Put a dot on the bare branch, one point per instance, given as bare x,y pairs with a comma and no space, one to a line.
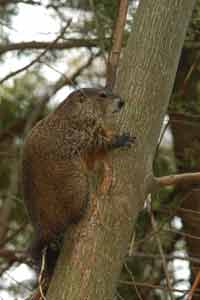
168,257
184,178
64,80
13,256
162,254
156,183
156,287
37,59
133,279
116,43
18,125
100,33
68,44
30,2
184,234
7,273
13,235
194,286
5,2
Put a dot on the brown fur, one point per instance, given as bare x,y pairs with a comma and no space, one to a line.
57,154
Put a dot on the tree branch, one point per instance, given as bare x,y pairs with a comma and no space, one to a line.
17,127
156,183
64,80
100,32
156,287
168,257
37,59
68,44
13,256
118,30
185,178
7,2
161,250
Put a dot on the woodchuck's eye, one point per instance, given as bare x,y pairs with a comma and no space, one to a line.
81,98
103,94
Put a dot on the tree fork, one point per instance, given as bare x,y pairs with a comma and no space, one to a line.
91,259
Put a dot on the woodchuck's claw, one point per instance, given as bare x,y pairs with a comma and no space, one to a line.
124,140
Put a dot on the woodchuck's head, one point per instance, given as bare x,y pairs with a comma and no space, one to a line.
91,102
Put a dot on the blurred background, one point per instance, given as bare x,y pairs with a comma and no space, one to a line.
49,48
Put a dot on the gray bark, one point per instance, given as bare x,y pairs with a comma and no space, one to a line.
94,250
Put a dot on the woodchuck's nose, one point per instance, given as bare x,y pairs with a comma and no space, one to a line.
120,102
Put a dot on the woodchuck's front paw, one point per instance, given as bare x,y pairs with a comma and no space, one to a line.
124,140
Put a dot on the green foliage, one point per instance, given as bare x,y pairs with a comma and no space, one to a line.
194,28
17,99
6,14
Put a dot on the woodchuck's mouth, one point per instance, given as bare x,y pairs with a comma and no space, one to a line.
119,103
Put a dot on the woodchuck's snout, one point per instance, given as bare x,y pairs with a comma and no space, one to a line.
119,102
114,104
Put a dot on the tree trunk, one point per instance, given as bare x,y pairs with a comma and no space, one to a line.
94,249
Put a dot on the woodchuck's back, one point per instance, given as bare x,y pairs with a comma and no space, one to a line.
54,186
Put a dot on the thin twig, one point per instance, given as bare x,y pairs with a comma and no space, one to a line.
18,126
133,279
13,235
189,74
113,60
179,209
160,247
41,275
188,235
161,139
71,80
6,2
19,283
195,284
64,80
168,257
156,287
37,59
119,296
99,29
37,45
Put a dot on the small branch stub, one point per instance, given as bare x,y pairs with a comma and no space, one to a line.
118,30
185,178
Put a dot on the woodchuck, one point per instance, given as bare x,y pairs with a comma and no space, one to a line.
56,155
